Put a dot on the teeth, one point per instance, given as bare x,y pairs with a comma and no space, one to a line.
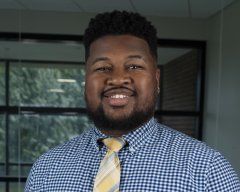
119,96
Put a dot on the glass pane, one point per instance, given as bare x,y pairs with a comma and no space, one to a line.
2,187
2,83
179,79
32,135
2,138
2,170
45,84
16,187
43,51
187,125
19,170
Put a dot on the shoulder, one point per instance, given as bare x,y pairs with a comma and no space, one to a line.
197,158
177,141
68,151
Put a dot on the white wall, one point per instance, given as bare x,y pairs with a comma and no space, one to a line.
222,98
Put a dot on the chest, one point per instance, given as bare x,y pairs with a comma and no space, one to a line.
157,172
145,171
74,173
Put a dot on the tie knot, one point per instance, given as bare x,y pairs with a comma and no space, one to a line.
114,144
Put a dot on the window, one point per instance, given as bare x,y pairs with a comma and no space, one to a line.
41,103
45,108
2,83
181,95
42,96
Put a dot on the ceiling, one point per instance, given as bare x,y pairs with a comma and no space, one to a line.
163,8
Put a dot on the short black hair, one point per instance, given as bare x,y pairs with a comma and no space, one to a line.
120,23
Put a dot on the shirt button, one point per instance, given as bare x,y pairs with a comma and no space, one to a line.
131,149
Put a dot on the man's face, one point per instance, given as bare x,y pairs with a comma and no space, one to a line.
121,83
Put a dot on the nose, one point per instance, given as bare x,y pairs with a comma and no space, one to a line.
119,78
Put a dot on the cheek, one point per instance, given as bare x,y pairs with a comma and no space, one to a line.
147,85
92,89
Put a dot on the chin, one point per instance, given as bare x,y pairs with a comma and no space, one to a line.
119,121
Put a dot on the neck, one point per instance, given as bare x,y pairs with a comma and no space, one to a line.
115,133
122,130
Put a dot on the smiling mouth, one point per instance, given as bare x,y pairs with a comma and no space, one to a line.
117,100
118,97
119,93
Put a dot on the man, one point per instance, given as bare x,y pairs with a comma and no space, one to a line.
122,84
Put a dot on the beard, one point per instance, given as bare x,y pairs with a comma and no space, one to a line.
138,117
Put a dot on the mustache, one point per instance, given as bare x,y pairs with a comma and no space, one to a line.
120,88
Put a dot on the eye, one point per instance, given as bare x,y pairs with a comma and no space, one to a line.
103,69
134,67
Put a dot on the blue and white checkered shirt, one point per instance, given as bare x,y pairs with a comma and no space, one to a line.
156,158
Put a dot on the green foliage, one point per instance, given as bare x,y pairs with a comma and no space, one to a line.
34,86
37,134
2,139
2,84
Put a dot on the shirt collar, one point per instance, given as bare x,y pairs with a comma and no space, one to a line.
134,138
141,135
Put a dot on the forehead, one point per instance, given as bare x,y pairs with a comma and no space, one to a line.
116,43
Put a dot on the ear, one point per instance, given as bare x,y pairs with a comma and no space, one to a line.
157,76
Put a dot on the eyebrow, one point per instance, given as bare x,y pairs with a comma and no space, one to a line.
139,57
135,57
108,59
100,59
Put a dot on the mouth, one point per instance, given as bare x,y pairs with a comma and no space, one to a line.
118,97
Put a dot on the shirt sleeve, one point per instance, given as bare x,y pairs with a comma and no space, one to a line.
30,179
37,175
221,176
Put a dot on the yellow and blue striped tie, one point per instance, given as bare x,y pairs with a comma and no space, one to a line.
108,177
